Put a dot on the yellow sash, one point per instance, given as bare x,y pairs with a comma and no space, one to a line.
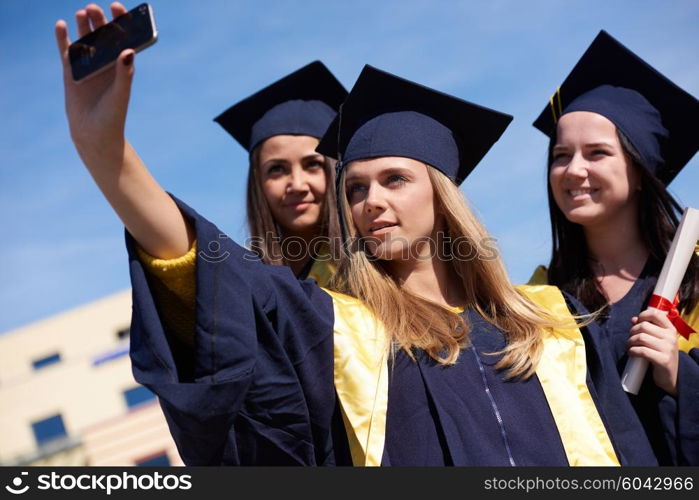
562,372
361,377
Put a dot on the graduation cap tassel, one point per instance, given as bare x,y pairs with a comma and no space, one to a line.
556,97
553,110
560,103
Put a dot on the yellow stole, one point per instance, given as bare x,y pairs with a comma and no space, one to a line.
361,377
562,371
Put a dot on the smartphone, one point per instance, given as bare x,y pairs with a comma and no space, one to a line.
97,51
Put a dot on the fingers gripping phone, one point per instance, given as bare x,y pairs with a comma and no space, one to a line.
97,51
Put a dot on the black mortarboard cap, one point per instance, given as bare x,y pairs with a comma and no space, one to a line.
656,115
303,102
385,115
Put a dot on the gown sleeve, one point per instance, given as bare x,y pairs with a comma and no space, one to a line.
671,422
256,385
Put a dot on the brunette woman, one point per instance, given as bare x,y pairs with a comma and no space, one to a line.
620,132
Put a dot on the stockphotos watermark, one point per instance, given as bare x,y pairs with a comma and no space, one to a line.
296,249
99,482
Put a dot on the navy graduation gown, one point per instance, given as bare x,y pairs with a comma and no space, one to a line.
254,390
671,424
625,429
258,388
467,414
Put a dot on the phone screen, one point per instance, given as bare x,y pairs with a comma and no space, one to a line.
96,50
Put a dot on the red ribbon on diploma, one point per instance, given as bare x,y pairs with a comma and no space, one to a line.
662,304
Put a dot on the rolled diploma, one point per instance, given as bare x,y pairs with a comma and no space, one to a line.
676,262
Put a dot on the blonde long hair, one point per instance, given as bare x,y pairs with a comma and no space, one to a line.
413,322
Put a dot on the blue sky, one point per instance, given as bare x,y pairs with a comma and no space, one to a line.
63,245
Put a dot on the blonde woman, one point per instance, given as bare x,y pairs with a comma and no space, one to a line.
424,355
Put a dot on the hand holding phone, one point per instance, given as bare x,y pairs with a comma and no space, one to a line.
99,49
96,109
96,106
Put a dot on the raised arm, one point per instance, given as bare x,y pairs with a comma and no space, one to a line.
96,110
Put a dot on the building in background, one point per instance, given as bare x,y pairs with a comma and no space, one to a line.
68,397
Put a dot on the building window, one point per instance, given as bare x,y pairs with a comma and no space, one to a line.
159,460
49,429
137,396
40,363
110,356
124,333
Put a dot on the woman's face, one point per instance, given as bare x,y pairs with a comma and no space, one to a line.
293,181
592,179
392,203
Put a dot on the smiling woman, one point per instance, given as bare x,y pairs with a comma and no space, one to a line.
619,133
593,179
